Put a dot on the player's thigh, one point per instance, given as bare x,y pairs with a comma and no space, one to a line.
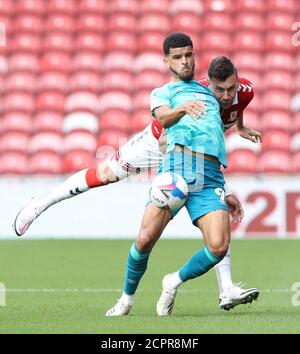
153,224
215,228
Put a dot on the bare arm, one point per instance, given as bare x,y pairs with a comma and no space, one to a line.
168,116
247,133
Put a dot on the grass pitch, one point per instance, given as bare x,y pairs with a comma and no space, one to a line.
66,286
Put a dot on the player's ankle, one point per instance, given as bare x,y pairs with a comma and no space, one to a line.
127,299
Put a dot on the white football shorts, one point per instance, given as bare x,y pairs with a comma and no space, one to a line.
140,153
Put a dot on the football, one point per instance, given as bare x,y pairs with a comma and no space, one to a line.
169,190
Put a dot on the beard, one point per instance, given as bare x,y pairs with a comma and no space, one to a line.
184,76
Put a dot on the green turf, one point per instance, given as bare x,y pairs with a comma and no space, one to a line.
272,266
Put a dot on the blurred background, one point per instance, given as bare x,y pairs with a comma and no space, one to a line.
76,75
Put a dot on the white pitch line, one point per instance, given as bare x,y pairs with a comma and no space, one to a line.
105,290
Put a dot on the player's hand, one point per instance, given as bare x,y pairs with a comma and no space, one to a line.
196,109
235,208
250,134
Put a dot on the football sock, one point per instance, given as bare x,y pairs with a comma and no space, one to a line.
78,183
174,280
198,264
135,268
127,299
223,272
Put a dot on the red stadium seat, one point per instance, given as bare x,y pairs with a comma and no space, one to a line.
55,61
235,142
123,6
28,23
60,23
186,23
250,21
13,163
256,79
118,61
3,65
140,120
248,41
295,163
148,80
24,62
276,120
295,142
241,162
276,100
48,121
278,21
89,61
280,80
77,160
216,41
81,121
90,41
62,6
58,42
19,101
179,6
154,22
45,163
141,100
36,7
117,81
52,81
16,122
50,101
84,81
91,23
295,103
296,122
113,138
82,101
276,140
122,22
278,40
289,6
217,21
20,82
115,100
98,7
7,7
251,119
150,41
7,27
80,141
26,42
122,41
250,6
115,120
14,141
159,6
45,141
279,60
274,162
149,61
248,61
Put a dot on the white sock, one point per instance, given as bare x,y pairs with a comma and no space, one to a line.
127,299
73,186
174,280
223,271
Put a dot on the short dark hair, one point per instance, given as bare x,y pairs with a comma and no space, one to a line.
176,40
221,68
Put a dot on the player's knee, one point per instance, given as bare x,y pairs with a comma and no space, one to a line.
219,249
145,241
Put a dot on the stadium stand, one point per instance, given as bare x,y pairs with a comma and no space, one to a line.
79,74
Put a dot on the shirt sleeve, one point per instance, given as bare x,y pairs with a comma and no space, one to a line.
159,97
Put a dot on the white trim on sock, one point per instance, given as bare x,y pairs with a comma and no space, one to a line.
174,280
127,299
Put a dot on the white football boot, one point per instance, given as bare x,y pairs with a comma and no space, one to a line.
25,217
165,304
120,309
235,295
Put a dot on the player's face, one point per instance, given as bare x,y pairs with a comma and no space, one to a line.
181,62
225,91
